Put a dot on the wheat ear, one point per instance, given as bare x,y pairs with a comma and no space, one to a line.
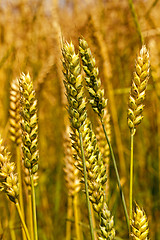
29,125
136,106
95,173
139,227
98,101
93,81
15,131
76,106
9,182
138,90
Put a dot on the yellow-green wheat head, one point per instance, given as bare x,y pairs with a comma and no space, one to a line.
74,87
8,179
106,224
138,90
15,128
139,227
93,81
29,123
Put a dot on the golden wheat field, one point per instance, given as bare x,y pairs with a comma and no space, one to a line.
79,119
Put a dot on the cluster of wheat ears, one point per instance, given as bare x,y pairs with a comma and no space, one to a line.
87,153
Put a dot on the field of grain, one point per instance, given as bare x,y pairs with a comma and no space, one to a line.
79,104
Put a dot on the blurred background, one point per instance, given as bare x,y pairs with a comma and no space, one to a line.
30,41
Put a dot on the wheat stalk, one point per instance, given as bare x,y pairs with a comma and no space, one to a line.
136,106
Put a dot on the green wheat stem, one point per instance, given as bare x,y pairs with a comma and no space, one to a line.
131,181
22,220
86,187
34,207
131,5
117,174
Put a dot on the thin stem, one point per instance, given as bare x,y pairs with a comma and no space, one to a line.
22,220
30,216
131,181
11,222
34,207
136,20
19,170
69,216
86,187
117,174
77,217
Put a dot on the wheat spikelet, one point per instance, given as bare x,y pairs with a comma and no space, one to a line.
15,128
71,171
29,123
139,229
8,179
138,89
93,81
